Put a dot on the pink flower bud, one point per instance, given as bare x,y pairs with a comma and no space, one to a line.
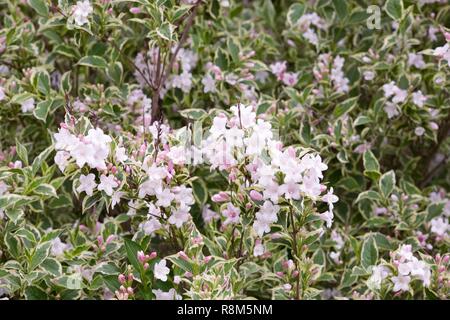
220,197
437,258
280,273
446,259
135,10
447,36
121,278
207,259
146,265
130,291
295,273
183,255
130,277
141,256
110,239
153,255
188,274
255,195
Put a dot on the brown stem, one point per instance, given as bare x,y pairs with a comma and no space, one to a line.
294,245
156,103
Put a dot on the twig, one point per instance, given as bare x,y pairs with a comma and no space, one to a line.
156,103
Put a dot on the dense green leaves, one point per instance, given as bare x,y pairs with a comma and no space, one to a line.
394,8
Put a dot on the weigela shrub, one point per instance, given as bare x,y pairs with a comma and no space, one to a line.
224,149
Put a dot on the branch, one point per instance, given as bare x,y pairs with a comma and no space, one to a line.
156,105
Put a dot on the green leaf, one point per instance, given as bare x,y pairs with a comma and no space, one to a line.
233,49
35,293
46,190
41,110
193,114
341,8
165,31
108,269
345,106
387,183
295,12
200,191
394,8
93,61
361,120
181,263
369,252
52,266
22,152
66,85
21,97
11,200
43,82
40,6
132,248
434,210
37,162
40,254
73,282
14,214
371,165
115,72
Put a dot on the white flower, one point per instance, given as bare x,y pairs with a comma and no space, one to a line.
419,131
209,83
165,197
327,217
391,109
81,11
170,295
231,213
418,98
64,140
278,68
439,226
115,199
27,105
401,283
208,214
150,226
179,216
87,184
369,75
107,184
404,268
3,188
161,271
405,252
379,273
83,153
399,95
335,256
58,247
183,195
416,60
259,249
62,159
2,93
389,89
121,155
443,52
330,198
265,217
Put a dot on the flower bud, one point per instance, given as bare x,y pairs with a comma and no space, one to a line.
255,195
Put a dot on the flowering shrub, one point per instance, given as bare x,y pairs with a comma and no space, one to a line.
224,149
